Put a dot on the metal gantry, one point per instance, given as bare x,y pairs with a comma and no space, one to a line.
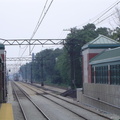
32,41
14,65
19,59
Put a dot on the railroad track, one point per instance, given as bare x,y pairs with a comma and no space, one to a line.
62,102
28,107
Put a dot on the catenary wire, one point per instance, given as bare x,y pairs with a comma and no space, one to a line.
39,19
35,27
107,11
106,17
39,23
101,14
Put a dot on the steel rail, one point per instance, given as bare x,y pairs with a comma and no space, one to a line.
40,110
79,106
20,104
64,106
68,101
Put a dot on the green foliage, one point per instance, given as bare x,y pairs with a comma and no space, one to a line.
43,67
64,66
75,40
116,34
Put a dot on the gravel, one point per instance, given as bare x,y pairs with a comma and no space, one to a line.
55,112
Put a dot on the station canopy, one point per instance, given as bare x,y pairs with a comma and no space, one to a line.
109,55
101,42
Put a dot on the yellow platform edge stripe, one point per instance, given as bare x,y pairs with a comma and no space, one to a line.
6,112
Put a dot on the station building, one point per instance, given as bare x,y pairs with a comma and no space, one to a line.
101,74
105,67
92,49
3,84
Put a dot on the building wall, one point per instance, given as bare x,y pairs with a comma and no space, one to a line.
3,87
106,73
2,55
1,95
87,55
85,64
102,96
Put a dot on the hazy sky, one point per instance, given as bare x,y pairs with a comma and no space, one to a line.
18,19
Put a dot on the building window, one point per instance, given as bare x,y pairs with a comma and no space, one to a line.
100,75
115,74
92,75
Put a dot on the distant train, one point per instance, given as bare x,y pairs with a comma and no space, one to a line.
16,77
3,81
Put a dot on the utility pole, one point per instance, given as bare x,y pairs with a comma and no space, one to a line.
42,81
26,73
72,62
71,53
41,72
31,73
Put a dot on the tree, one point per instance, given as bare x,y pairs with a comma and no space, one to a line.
75,40
64,66
116,32
43,67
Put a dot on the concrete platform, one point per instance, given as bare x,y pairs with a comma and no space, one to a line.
6,112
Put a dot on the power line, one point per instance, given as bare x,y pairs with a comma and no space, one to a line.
38,25
39,20
24,50
106,17
35,28
101,14
107,11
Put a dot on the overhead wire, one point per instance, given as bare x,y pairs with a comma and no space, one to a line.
41,21
36,28
24,50
103,13
106,17
41,18
107,11
93,20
